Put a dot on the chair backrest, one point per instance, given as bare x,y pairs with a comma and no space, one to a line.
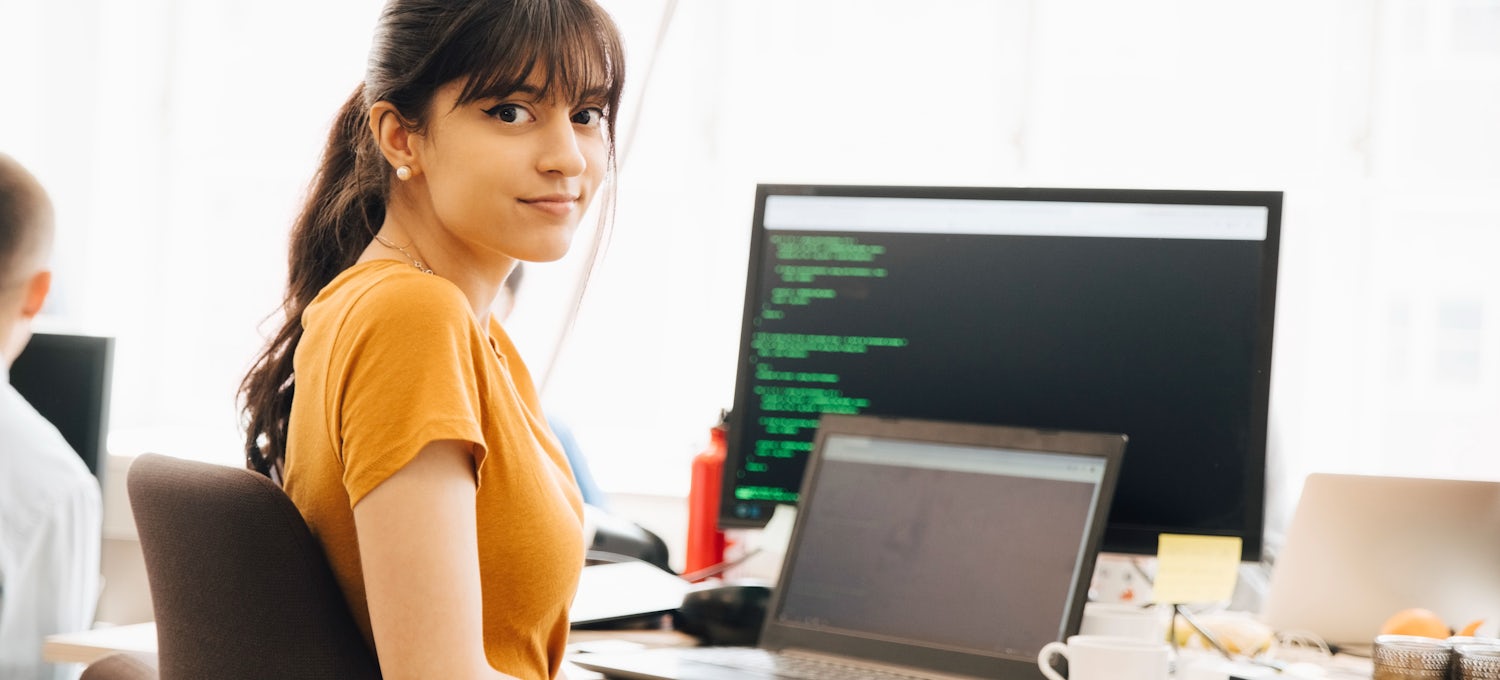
240,587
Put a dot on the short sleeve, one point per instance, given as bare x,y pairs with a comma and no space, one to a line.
403,374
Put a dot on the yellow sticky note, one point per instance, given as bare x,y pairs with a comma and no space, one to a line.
1195,568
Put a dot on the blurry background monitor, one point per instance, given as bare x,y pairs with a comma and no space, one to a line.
66,377
1148,313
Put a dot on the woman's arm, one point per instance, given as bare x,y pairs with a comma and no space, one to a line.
420,557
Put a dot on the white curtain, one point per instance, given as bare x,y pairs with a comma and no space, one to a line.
178,137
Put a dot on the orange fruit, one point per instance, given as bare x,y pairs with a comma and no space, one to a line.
1419,622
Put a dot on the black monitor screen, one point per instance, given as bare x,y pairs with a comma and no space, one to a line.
67,378
1147,313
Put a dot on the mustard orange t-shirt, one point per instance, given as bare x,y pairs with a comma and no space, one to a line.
391,359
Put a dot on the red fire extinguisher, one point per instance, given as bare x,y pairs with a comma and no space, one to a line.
705,543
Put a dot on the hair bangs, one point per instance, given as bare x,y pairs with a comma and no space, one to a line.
574,50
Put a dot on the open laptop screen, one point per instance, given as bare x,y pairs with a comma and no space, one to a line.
927,546
1362,547
967,548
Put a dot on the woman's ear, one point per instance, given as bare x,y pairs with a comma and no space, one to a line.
394,135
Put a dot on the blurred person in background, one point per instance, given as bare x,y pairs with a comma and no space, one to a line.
50,509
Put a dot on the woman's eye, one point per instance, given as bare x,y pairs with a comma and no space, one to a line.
590,117
510,113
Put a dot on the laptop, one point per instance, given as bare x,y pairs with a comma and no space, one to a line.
923,549
1361,548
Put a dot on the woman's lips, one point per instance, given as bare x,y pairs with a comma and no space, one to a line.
560,205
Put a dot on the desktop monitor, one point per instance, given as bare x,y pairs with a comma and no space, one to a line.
67,378
1147,313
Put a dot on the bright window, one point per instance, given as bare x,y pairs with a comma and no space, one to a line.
178,138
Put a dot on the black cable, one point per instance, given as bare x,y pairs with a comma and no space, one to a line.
716,569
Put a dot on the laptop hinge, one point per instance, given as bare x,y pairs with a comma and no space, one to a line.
863,664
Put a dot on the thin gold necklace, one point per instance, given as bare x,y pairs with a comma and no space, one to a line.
414,261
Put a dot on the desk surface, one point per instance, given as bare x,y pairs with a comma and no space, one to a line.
139,640
91,645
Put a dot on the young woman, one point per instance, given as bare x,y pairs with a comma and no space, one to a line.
391,405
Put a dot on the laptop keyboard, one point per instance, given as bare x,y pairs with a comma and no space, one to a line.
791,665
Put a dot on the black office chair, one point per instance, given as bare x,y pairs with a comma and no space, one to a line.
240,587
617,539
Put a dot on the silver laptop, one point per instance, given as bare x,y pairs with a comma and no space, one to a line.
922,549
1361,548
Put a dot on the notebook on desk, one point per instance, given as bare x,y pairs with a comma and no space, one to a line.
622,592
925,548
1361,548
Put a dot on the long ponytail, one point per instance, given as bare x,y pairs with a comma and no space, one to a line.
340,216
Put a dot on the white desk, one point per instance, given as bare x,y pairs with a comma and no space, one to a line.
139,640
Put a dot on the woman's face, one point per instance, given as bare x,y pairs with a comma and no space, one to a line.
512,176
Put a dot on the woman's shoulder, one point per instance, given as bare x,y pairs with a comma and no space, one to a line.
388,292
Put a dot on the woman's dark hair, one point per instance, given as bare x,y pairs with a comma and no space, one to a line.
493,47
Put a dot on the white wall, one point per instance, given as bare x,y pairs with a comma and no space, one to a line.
178,137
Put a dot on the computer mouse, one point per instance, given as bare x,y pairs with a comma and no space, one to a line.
724,613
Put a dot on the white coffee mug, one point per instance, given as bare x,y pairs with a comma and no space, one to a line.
1123,620
1102,657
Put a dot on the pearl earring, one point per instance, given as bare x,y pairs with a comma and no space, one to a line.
403,173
